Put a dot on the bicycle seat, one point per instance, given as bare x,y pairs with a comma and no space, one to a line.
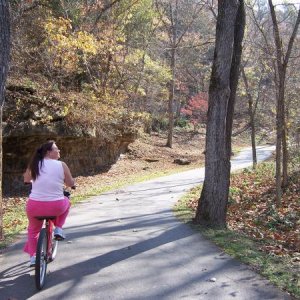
45,217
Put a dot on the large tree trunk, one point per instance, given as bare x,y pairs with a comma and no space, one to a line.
212,204
4,61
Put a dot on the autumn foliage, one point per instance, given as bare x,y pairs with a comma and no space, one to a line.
252,211
196,109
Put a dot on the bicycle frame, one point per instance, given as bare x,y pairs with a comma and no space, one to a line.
46,250
49,231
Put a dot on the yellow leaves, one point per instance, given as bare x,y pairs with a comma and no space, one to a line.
139,118
121,39
65,110
64,46
155,69
85,42
69,50
57,26
243,93
135,57
141,91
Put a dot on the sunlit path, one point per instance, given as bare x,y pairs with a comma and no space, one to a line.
127,244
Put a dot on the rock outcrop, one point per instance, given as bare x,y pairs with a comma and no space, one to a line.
82,148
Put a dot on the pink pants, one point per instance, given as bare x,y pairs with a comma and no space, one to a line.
59,208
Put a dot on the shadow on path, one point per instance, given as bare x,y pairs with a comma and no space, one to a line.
17,283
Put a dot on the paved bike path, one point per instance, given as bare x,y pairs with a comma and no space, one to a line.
127,244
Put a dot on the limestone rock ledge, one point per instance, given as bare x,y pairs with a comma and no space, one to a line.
83,149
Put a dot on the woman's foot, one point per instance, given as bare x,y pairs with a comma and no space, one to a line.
32,262
58,234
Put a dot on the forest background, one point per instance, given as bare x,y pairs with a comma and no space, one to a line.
126,64
99,64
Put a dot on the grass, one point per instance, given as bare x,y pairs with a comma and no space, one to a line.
14,221
278,270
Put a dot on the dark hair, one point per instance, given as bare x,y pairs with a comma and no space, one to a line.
38,158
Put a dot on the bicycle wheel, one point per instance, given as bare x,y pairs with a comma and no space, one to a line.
54,249
41,260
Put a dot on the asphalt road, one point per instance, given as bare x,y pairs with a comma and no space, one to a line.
127,244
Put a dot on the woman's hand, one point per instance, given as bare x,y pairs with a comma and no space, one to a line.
27,176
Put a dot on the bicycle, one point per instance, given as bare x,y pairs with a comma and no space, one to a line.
46,250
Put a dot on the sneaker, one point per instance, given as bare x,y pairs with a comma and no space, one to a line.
58,234
32,262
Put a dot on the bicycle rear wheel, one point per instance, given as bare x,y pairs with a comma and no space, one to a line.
41,260
54,249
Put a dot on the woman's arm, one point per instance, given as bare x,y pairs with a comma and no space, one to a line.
27,176
69,181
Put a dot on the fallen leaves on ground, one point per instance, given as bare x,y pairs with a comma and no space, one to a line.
252,211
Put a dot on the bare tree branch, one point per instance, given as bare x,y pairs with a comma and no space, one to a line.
103,10
292,39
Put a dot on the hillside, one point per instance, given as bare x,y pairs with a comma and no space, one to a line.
148,155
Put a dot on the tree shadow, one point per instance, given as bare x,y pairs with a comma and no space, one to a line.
17,282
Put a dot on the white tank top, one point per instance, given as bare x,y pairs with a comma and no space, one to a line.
49,184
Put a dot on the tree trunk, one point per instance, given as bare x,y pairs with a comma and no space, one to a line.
251,115
281,64
285,156
235,71
279,127
4,62
4,46
171,100
1,176
173,68
212,204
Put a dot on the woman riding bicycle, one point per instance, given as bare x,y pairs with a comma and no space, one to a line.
48,176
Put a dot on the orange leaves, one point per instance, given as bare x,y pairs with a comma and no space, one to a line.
259,215
274,249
